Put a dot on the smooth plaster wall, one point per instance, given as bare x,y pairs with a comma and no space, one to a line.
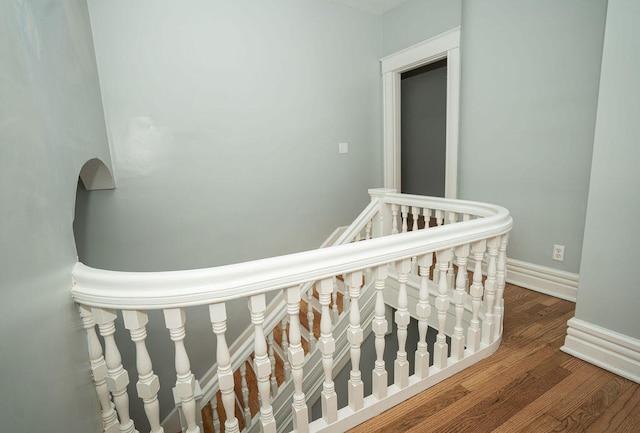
51,122
417,20
530,73
608,294
224,120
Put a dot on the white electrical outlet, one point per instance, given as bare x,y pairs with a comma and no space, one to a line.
558,253
343,147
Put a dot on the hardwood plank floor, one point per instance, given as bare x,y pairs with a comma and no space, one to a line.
528,385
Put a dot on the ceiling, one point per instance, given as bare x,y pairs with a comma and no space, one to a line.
373,6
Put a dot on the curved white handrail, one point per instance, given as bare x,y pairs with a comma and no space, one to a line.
172,289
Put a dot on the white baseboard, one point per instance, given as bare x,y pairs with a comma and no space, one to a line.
561,284
607,349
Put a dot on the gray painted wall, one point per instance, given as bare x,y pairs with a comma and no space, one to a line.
424,130
224,120
51,122
530,72
417,20
608,294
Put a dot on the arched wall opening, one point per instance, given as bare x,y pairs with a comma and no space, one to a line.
94,175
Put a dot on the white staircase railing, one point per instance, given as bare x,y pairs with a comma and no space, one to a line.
398,242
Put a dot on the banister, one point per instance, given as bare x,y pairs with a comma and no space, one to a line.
171,289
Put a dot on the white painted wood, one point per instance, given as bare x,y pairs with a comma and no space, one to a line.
501,274
401,365
440,350
561,284
175,319
110,422
218,316
476,291
615,352
244,389
380,328
327,347
355,336
459,298
445,45
148,383
423,311
157,290
285,349
216,419
296,359
272,361
117,377
490,288
311,339
261,365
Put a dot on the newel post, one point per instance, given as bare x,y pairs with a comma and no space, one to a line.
382,219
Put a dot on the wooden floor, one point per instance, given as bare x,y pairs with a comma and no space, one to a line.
528,385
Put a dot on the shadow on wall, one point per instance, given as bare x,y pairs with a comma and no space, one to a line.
94,175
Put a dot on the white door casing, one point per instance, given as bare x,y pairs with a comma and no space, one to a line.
446,45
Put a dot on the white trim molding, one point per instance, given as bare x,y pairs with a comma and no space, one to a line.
561,284
607,349
443,46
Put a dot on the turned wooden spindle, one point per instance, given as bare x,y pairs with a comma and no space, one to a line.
117,376
405,217
476,291
423,311
501,275
296,359
109,417
355,338
285,350
394,219
380,327
272,361
490,286
442,306
148,384
401,365
218,316
175,319
244,389
459,297
261,364
310,317
327,346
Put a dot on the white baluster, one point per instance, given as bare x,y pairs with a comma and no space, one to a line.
117,376
296,359
312,337
488,324
423,311
148,384
476,291
218,315
110,422
355,338
379,327
216,419
394,219
426,213
415,211
405,216
327,347
452,218
335,312
272,361
501,275
244,388
459,297
174,319
401,366
442,305
367,231
439,217
346,302
261,364
285,350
